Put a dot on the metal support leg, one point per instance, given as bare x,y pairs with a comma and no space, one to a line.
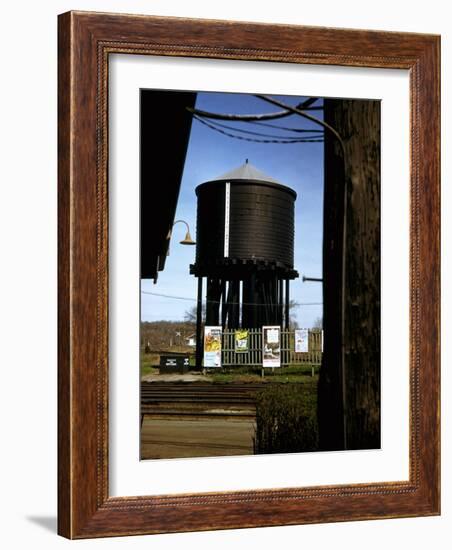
199,346
287,320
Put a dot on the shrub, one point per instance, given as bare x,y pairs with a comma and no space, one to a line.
286,419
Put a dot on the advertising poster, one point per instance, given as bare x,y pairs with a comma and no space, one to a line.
301,340
241,341
271,352
212,346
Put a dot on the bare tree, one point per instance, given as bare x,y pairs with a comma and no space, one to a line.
318,323
293,305
190,314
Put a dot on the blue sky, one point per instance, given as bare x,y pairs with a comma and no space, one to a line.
209,155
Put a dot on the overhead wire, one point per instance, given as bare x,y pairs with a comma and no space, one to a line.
243,130
306,105
286,128
224,132
186,298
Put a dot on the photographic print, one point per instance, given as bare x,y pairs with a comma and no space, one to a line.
260,274
245,225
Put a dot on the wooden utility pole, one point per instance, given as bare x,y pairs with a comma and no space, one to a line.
349,386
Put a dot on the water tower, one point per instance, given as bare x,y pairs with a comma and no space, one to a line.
245,249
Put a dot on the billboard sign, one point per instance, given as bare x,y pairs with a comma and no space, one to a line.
241,341
212,347
301,340
271,350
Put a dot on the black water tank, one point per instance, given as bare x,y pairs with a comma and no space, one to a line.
245,215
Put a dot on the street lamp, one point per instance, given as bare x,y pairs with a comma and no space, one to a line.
187,240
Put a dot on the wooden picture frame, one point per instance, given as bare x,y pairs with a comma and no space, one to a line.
85,508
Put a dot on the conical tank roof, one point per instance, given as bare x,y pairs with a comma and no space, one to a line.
246,172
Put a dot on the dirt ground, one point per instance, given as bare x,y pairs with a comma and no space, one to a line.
182,438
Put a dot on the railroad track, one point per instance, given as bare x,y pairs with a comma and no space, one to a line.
204,399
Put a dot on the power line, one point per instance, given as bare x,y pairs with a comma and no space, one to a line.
224,132
169,296
297,110
186,298
287,128
305,105
216,123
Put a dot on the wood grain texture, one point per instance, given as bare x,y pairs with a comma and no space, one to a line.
85,41
64,295
350,373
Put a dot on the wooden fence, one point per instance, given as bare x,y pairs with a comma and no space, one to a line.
253,356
